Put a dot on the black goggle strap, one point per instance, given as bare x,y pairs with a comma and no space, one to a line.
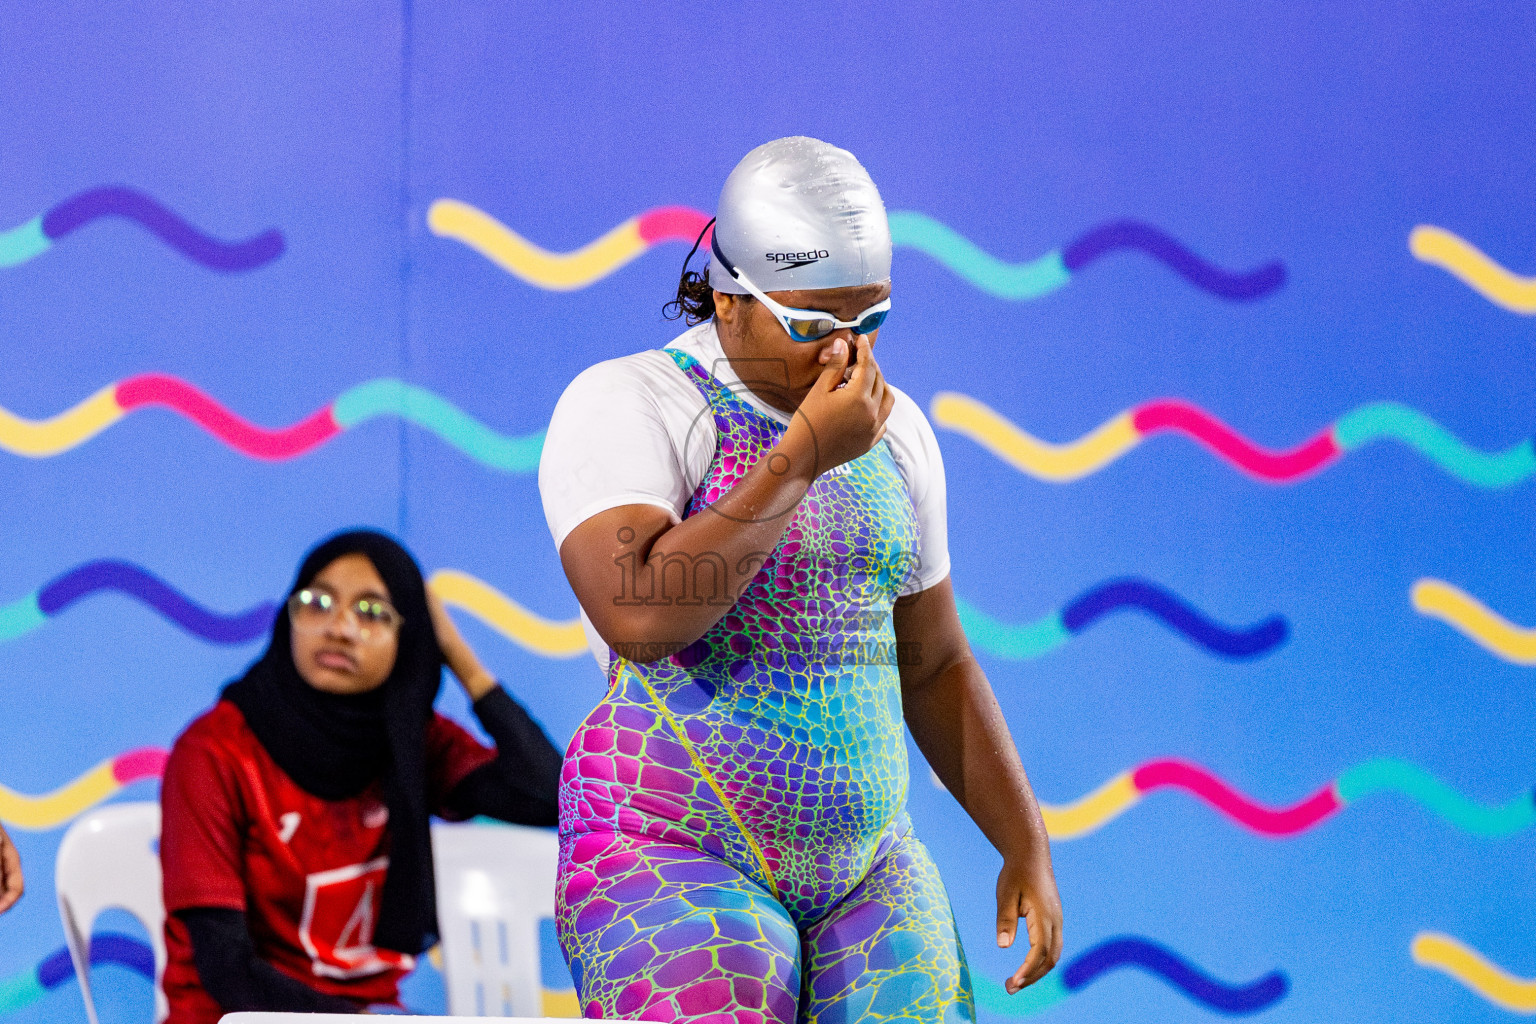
698,242
714,247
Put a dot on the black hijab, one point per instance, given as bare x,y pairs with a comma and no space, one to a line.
335,745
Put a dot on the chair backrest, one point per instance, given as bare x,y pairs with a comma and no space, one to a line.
494,884
110,858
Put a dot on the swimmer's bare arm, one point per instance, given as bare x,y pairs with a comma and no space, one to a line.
652,588
954,717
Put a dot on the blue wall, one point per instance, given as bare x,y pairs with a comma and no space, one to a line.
1313,137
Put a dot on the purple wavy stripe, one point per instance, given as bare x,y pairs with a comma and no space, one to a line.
1149,956
117,201
106,948
1177,614
1132,234
127,578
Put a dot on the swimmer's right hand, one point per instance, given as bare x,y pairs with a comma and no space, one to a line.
838,422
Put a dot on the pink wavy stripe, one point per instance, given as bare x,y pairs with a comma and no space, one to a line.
143,763
242,435
682,223
1270,821
1303,460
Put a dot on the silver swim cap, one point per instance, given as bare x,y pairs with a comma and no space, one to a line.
800,213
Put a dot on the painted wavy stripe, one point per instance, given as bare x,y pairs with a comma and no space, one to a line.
566,271
1384,775
24,988
1390,775
1089,813
1045,634
1073,460
388,397
37,236
1490,981
1145,955
51,810
549,637
1252,815
28,613
1171,414
372,399
974,265
1163,247
1397,422
992,998
1474,620
1470,265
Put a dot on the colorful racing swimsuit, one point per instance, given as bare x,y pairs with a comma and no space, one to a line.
734,843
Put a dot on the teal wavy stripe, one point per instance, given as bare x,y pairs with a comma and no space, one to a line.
1391,775
446,420
20,990
1434,442
965,258
20,617
1042,995
23,243
1015,642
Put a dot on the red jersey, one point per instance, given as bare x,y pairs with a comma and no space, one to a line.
238,834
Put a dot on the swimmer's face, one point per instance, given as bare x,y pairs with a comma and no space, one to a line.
340,655
788,368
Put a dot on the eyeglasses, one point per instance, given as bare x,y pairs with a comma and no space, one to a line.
312,610
805,324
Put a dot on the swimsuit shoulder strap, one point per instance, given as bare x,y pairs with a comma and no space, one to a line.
714,392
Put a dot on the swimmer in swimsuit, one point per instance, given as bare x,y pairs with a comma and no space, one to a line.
753,522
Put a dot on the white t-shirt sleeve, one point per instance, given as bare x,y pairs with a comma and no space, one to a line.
608,443
916,451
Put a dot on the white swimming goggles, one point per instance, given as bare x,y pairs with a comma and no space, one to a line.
806,324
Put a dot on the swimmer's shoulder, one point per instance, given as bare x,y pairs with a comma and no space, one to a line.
909,423
650,373
651,378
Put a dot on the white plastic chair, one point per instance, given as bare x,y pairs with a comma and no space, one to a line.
494,883
108,859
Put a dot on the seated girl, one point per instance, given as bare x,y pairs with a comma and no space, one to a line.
295,845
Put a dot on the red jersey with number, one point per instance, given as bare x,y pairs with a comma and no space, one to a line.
237,833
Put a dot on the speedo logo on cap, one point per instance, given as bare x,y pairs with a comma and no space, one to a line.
791,260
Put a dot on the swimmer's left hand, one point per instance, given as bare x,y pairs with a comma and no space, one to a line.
1027,888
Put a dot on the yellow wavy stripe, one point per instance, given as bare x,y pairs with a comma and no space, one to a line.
560,1004
1462,259
1475,620
52,809
41,438
558,271
538,634
1088,813
1467,965
1055,462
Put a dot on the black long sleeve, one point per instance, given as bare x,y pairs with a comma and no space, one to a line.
519,786
237,978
